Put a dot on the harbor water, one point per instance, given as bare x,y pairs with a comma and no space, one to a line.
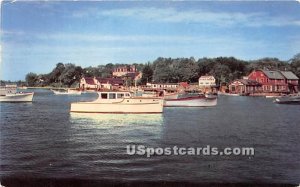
43,140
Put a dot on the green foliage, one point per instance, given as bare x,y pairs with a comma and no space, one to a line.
31,79
71,74
224,69
295,65
147,74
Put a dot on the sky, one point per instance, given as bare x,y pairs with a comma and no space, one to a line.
36,35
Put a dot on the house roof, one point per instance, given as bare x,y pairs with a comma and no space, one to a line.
89,80
184,84
113,81
165,83
273,74
207,77
289,75
131,74
249,82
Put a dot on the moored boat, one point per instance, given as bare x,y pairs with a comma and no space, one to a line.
295,99
119,102
273,96
66,92
9,93
171,95
195,100
228,94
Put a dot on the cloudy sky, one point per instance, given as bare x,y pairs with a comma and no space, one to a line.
37,35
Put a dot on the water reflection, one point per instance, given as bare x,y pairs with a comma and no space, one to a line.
118,128
117,119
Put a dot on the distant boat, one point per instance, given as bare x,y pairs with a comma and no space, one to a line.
9,93
273,96
228,94
66,92
171,95
295,99
120,103
23,87
191,100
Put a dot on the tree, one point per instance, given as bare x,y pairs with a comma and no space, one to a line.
71,74
56,72
187,70
295,65
162,70
31,79
220,72
147,74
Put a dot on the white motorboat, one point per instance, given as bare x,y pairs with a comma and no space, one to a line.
171,95
195,100
273,96
228,94
66,92
9,93
291,99
119,102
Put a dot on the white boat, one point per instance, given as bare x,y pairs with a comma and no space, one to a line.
210,95
273,96
191,101
149,94
291,99
228,94
119,102
9,93
66,92
171,95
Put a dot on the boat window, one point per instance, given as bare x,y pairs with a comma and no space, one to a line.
112,96
127,95
120,95
103,95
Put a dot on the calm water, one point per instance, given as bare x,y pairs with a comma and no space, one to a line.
42,139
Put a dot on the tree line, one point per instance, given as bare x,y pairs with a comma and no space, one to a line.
163,70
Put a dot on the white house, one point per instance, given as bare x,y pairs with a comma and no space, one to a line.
95,83
207,81
88,83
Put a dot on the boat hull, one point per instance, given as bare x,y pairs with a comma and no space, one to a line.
125,106
191,102
288,100
171,96
69,92
18,97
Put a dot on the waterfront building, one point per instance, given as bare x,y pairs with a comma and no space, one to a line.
275,81
87,83
124,70
97,83
207,81
244,86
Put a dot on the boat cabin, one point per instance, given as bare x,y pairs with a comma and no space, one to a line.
113,95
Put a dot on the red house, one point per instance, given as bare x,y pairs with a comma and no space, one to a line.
275,81
244,86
